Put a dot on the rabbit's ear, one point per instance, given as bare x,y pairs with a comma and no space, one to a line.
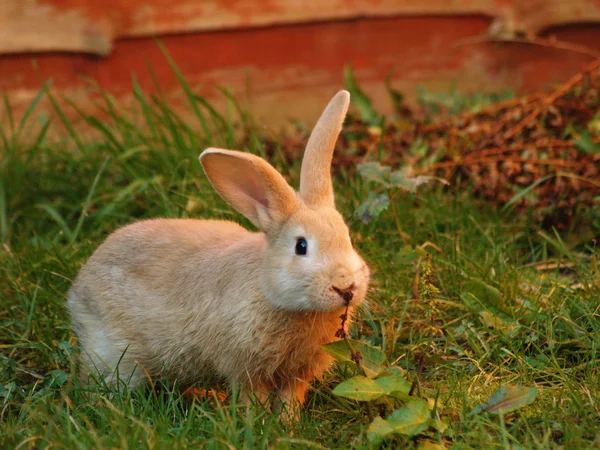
316,188
251,185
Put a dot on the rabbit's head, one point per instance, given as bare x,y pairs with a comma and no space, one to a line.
309,263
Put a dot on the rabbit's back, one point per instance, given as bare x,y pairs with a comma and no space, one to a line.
159,293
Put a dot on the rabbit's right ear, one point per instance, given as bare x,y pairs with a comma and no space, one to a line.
251,185
316,188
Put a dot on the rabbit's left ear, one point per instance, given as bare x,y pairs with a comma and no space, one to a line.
316,188
251,185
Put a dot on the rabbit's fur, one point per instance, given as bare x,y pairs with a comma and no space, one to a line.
187,299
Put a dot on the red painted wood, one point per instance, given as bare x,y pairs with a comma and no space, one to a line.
292,70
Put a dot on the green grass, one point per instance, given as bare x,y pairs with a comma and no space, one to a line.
59,198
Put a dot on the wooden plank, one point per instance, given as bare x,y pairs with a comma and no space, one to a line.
290,71
93,26
30,26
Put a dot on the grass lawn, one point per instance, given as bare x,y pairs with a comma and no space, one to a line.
517,305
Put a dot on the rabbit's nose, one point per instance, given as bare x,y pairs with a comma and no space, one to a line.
347,293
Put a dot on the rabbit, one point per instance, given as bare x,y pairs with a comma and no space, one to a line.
186,299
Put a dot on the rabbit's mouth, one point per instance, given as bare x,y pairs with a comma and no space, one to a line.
346,294
335,298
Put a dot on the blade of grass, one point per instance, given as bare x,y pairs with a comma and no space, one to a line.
151,125
167,113
525,191
60,221
38,141
230,141
98,125
188,93
8,109
3,212
5,144
88,201
31,308
218,120
64,119
135,187
32,105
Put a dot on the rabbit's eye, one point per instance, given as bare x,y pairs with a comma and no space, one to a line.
301,246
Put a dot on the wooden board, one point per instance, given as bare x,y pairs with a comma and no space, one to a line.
285,58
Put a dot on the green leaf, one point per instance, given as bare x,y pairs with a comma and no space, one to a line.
411,419
430,445
372,357
438,425
372,207
495,322
406,255
359,388
391,371
506,399
480,296
410,184
586,144
395,386
361,102
373,171
56,378
378,430
65,347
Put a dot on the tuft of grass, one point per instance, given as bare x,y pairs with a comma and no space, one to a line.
60,198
